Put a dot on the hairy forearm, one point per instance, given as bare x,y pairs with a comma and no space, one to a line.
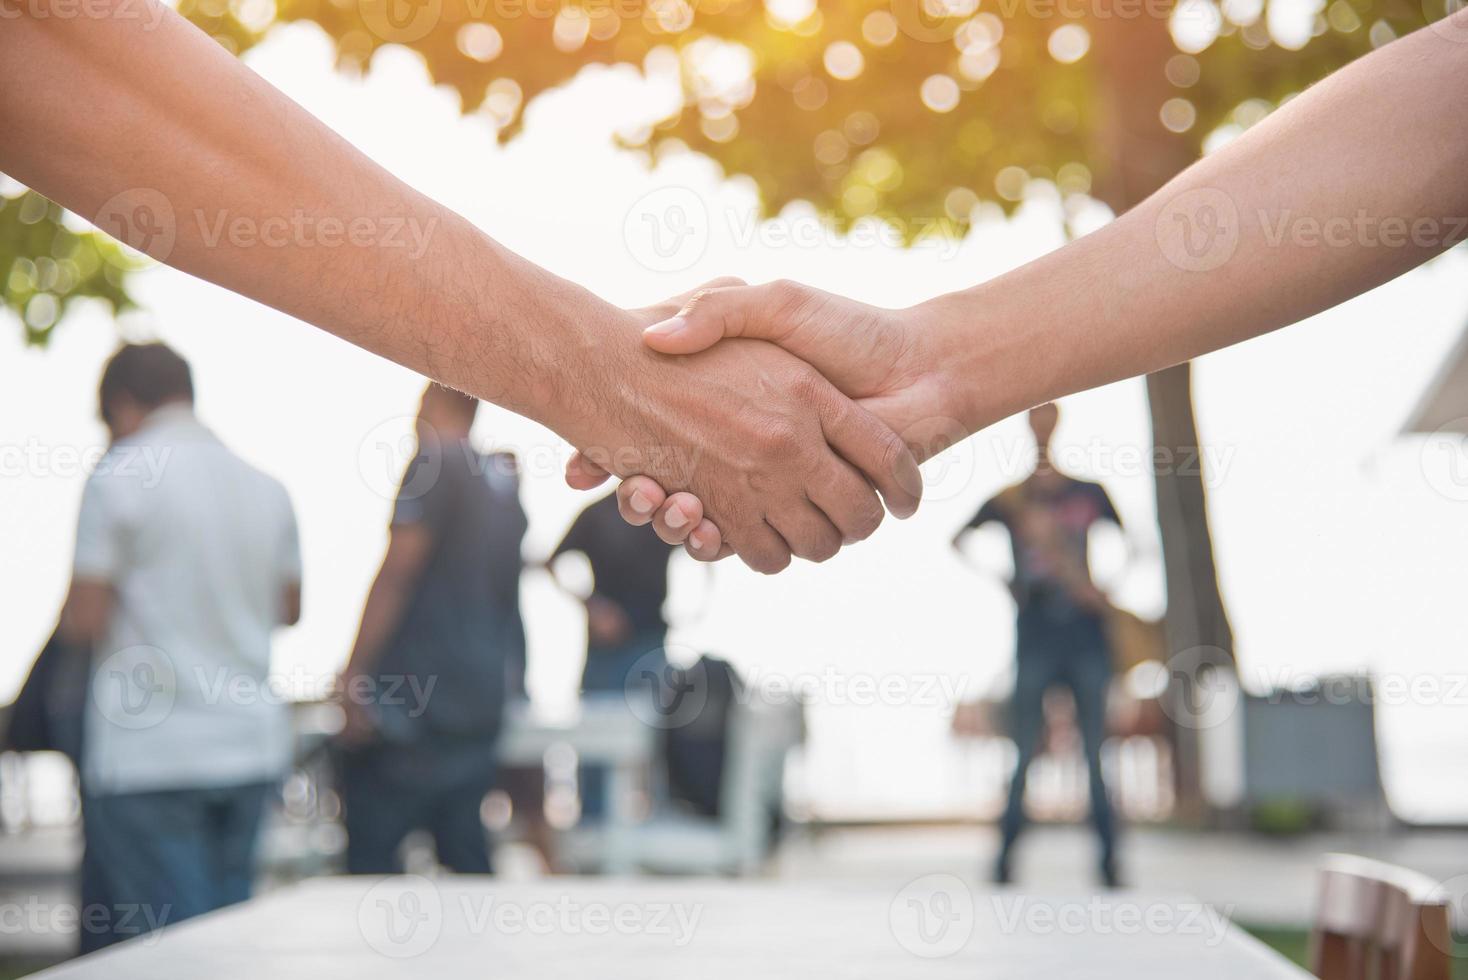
1348,186
146,125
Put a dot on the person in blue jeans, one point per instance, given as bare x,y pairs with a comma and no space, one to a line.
440,639
187,559
625,625
1060,634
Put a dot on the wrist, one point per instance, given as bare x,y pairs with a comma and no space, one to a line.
985,364
566,376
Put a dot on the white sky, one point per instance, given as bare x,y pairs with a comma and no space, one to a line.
1336,550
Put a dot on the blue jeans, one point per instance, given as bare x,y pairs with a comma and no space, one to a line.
435,784
1069,653
160,857
605,672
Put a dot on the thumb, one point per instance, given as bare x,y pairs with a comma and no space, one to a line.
710,315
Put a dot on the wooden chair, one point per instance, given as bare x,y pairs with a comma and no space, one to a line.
1376,921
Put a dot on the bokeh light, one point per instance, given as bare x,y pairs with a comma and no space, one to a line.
1178,115
861,127
1183,70
1069,43
940,93
571,29
1010,183
480,41
843,60
879,28
788,13
1195,25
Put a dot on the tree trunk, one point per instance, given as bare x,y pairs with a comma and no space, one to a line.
1132,54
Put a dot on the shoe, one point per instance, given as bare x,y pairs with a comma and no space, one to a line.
1002,873
1110,880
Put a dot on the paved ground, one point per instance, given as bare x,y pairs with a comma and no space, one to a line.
1268,881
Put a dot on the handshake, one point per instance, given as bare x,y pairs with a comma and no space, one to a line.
762,421
780,413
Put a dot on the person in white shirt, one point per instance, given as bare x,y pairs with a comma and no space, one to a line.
187,558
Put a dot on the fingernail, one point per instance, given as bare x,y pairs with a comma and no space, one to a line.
639,503
695,540
676,518
667,328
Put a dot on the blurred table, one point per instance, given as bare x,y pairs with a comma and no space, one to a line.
674,929
604,730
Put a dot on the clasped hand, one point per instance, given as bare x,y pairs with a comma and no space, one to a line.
898,408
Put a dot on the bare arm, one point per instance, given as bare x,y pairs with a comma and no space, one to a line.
145,125
290,604
1352,183
87,611
408,549
1348,186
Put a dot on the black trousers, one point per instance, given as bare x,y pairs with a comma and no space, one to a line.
434,784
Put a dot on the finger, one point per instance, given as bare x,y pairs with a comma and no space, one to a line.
845,497
677,517
808,532
583,474
637,498
671,305
705,543
878,452
710,315
761,548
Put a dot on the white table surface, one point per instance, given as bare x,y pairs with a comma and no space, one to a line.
687,929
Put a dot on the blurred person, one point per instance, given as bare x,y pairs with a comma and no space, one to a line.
187,558
1060,626
626,628
441,639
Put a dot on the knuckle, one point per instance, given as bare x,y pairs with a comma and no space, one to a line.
867,518
702,301
774,564
892,452
781,439
787,292
823,547
810,387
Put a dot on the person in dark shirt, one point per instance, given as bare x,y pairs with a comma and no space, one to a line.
425,687
1060,625
625,624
